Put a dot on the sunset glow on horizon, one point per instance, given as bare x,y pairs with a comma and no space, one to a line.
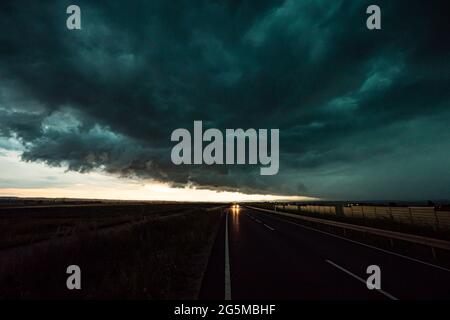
37,180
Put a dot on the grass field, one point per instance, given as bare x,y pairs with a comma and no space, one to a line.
132,251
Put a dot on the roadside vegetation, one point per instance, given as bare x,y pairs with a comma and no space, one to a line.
159,256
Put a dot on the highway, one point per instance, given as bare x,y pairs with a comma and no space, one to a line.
259,255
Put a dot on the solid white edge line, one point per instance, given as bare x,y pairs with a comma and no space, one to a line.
363,244
227,263
390,296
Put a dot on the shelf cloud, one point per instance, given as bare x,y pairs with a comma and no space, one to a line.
362,114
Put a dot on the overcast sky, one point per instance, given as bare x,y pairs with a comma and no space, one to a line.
362,114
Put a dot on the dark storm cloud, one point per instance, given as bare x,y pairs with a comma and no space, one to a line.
351,104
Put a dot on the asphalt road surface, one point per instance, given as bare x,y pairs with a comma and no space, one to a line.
263,256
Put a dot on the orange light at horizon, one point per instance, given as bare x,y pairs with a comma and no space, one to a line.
38,180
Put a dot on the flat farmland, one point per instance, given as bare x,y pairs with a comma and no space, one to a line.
124,250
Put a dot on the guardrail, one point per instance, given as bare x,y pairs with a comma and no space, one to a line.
425,241
418,216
